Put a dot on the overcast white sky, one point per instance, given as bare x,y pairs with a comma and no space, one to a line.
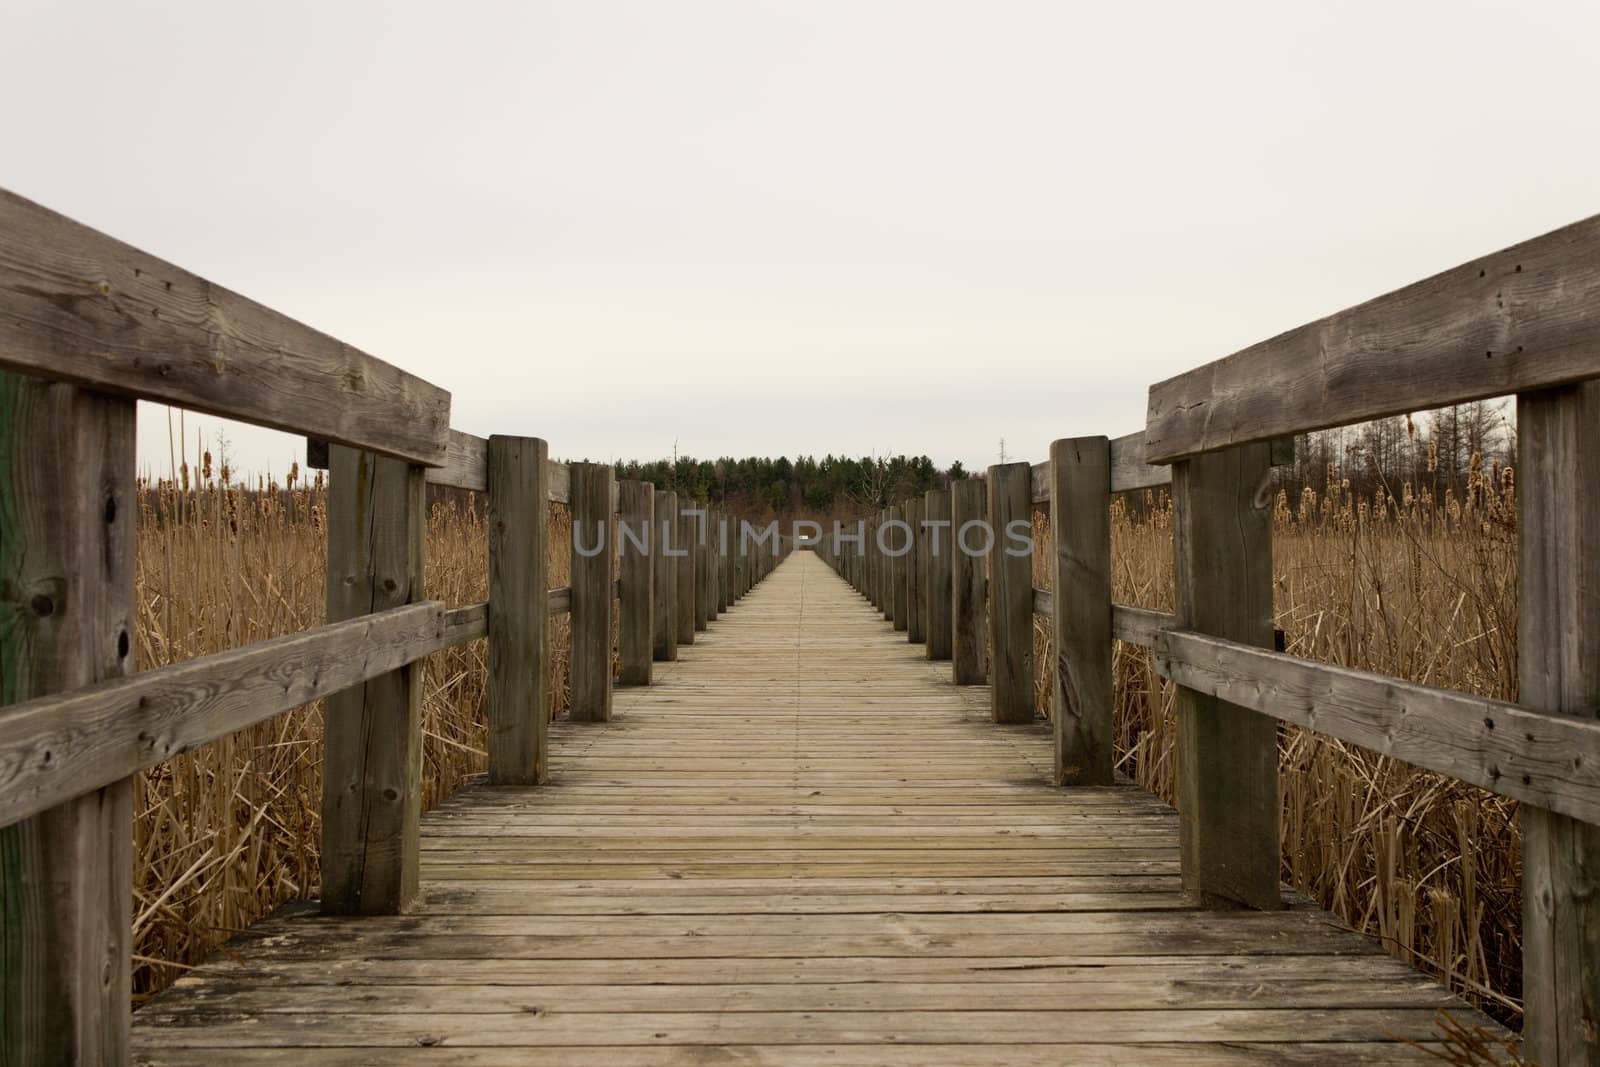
764,228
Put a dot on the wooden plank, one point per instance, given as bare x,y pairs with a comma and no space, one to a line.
593,589
1558,671
898,539
467,623
559,600
372,732
1039,483
55,748
519,609
466,463
968,617
1129,470
560,481
635,626
1516,320
934,557
701,547
725,595
67,586
1496,746
1228,790
916,599
1080,527
664,579
81,307
1139,626
1010,558
684,548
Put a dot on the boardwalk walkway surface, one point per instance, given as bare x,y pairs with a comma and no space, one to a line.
802,846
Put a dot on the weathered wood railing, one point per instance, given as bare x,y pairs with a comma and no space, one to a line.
89,324
1523,321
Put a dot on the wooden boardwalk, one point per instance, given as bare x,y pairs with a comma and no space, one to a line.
803,845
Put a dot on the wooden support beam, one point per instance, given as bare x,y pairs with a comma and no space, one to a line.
664,578
1228,784
916,601
898,539
725,595
1010,555
934,556
1080,527
593,587
635,645
519,614
968,549
684,550
1558,668
702,569
68,499
712,565
372,733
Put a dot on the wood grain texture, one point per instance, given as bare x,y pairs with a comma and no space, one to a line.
934,555
1129,471
702,570
1139,626
1010,593
58,747
67,506
593,588
845,863
1228,755
519,609
372,732
1521,319
79,306
466,463
1080,529
968,626
1558,665
636,610
684,549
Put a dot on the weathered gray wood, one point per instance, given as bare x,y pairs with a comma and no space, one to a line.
684,541
67,507
1139,626
1227,755
900,546
635,642
519,612
1080,527
1044,602
1129,470
560,600
1011,593
1506,749
916,599
593,587
1039,483
1520,319
82,307
466,463
702,569
725,595
664,578
466,623
935,555
560,481
1558,670
711,565
372,732
968,542
56,748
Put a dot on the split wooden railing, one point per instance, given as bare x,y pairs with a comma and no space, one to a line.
87,326
1523,321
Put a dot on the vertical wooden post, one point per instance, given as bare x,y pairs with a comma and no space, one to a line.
916,601
1227,755
67,586
635,647
519,617
899,554
725,594
934,554
684,549
1080,529
969,542
1558,669
713,568
372,733
664,578
1011,684
702,570
594,585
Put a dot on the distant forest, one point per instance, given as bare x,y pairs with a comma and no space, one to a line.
761,487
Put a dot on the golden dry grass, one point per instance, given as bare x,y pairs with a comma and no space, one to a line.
1415,588
227,833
